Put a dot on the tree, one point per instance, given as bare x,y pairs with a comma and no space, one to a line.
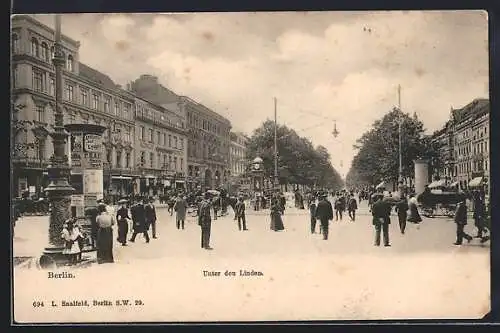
377,155
298,161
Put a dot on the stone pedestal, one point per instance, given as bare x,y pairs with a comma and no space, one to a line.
421,175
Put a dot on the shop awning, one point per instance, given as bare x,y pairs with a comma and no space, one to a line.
381,185
476,182
121,177
437,183
150,177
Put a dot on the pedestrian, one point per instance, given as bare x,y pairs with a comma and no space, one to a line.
324,213
461,222
339,206
205,221
240,212
91,215
478,213
72,236
312,212
276,212
352,206
381,219
171,203
216,206
150,212
139,220
414,216
282,202
105,221
180,208
402,211
122,219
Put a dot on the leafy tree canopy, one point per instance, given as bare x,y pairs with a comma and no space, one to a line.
299,162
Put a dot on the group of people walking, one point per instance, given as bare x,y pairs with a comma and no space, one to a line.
142,215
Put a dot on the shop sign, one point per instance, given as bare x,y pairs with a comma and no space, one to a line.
93,143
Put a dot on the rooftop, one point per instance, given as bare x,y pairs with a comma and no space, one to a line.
95,76
476,107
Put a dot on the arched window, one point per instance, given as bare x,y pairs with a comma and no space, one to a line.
70,63
44,51
34,47
15,43
52,52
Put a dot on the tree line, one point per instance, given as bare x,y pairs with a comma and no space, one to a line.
299,162
377,157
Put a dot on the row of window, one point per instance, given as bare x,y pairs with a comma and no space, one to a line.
471,166
204,124
118,163
161,138
141,110
237,152
478,148
162,161
41,51
119,109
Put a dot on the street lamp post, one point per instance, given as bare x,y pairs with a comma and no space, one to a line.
59,190
276,178
400,143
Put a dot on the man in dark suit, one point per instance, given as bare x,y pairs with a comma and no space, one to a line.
139,218
205,221
461,221
324,213
381,211
150,212
240,213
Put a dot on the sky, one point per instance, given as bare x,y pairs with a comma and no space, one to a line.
323,67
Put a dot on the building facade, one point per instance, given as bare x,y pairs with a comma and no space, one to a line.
161,148
237,155
207,133
89,97
465,146
471,142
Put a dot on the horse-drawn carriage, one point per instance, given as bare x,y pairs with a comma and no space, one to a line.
439,200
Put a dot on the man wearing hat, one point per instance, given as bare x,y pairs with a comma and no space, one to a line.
122,218
240,213
150,212
139,219
381,211
324,213
205,221
461,222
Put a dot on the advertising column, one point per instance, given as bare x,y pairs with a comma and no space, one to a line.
421,175
86,166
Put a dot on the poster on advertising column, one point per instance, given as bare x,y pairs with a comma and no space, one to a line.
93,183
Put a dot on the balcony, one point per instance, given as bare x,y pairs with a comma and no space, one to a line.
30,162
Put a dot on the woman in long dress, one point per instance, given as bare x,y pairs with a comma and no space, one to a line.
105,221
414,216
276,212
71,234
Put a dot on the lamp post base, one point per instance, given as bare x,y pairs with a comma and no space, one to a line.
52,257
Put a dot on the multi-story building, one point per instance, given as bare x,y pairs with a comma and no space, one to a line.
161,148
465,146
89,97
471,141
208,133
444,140
237,155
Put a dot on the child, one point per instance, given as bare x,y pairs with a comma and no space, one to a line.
72,241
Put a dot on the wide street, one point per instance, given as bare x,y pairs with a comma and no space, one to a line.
304,277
